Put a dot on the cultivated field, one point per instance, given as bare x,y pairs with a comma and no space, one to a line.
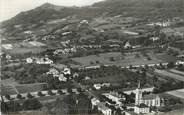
7,86
31,87
7,90
119,60
177,72
170,74
174,112
25,50
10,86
23,47
177,93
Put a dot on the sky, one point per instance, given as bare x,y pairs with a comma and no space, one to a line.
10,8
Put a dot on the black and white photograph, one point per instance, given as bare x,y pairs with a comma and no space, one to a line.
92,57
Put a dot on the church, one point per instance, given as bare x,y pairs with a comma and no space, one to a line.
144,102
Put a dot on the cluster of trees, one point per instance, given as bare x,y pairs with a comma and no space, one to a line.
14,106
73,104
168,85
180,67
172,52
103,98
125,76
25,73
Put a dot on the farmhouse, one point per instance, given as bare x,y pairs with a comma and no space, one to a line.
39,61
100,85
29,60
44,61
67,71
62,78
127,45
154,38
53,71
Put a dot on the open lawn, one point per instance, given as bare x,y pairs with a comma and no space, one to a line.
119,60
31,87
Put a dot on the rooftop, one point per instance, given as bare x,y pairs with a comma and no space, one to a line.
142,105
102,106
150,96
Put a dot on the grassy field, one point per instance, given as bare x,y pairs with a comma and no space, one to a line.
120,60
31,87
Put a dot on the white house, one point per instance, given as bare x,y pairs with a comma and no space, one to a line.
149,89
105,110
8,57
66,33
154,38
94,102
127,45
97,86
67,71
54,72
115,96
62,78
29,60
7,46
44,61
100,85
101,106
179,62
142,109
84,22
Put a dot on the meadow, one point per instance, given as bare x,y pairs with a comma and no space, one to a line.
122,60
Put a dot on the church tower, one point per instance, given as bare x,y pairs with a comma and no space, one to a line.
138,95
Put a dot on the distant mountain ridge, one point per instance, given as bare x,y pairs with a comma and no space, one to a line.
136,8
50,6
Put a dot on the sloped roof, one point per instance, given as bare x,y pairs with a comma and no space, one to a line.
142,105
150,97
